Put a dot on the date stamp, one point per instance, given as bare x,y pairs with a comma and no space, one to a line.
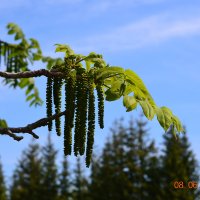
185,185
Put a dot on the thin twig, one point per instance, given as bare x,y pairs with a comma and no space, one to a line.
30,127
29,74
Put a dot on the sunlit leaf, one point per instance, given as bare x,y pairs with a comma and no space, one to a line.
129,102
3,123
64,48
147,109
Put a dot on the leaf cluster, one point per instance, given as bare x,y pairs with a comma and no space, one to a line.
85,73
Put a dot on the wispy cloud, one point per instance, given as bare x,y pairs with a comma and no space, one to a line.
151,30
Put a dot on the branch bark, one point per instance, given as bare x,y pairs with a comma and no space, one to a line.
30,127
29,74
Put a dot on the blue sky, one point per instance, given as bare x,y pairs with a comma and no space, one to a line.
158,39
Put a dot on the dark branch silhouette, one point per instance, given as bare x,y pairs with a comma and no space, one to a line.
30,127
36,73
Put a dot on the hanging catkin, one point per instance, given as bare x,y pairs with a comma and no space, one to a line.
91,123
69,117
49,101
57,86
100,106
83,119
81,112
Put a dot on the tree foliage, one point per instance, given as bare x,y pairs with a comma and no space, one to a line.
27,177
3,189
49,172
80,74
179,170
129,167
64,181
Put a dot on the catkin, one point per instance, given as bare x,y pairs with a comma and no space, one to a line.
49,101
57,86
81,112
83,119
91,124
100,106
77,117
69,118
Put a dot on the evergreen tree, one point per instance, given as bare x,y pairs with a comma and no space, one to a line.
26,183
80,184
64,181
179,167
109,176
3,195
147,163
49,172
123,172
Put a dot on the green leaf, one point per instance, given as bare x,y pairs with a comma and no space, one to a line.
23,82
160,116
116,86
139,95
129,102
168,116
14,29
87,63
164,116
34,43
37,56
128,89
30,97
29,89
93,57
64,48
147,109
112,96
104,73
136,80
114,92
122,88
177,124
3,123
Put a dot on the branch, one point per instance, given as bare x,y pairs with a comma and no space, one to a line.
29,74
30,127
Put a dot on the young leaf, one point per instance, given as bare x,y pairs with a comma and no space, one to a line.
160,116
168,116
129,102
64,48
136,80
164,116
3,123
23,82
147,109
104,73
114,93
112,96
177,124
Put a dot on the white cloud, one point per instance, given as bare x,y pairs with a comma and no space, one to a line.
151,30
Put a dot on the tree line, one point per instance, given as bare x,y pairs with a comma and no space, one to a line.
130,166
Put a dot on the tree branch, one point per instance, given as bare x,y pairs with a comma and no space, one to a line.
30,127
29,74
